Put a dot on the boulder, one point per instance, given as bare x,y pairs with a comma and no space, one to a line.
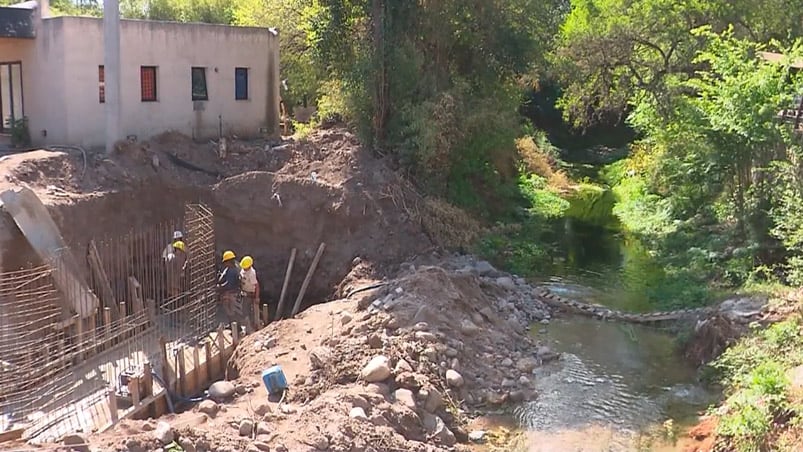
506,283
208,407
426,336
468,327
164,433
263,428
434,400
454,379
358,413
484,268
319,357
378,369
526,365
75,442
375,341
319,442
524,381
262,408
403,366
345,317
246,427
507,362
477,436
436,429
405,397
221,391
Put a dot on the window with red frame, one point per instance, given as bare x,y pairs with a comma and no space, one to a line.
147,77
101,84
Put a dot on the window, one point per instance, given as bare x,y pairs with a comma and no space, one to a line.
147,79
101,84
199,84
240,83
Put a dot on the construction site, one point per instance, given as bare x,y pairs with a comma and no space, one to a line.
97,354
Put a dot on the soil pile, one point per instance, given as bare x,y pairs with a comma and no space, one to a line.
400,367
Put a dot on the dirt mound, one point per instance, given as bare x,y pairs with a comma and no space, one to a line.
400,367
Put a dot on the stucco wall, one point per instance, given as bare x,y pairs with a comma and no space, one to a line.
68,86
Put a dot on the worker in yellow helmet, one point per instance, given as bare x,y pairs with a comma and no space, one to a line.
249,287
228,285
176,262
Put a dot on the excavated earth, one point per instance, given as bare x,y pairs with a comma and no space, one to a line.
404,366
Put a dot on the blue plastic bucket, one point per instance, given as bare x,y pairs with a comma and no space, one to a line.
274,380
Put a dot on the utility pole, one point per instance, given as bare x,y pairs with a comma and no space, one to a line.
111,71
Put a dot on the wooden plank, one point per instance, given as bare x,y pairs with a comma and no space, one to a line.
206,365
195,381
290,263
106,292
133,388
181,366
235,333
308,278
146,402
112,395
265,315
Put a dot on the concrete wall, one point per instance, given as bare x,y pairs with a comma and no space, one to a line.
61,79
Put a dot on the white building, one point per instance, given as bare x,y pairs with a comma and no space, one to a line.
197,79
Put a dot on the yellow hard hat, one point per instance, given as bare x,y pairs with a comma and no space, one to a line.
228,255
179,245
247,262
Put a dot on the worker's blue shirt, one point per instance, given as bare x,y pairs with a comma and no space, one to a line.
229,280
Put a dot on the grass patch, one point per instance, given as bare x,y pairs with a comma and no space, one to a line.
761,402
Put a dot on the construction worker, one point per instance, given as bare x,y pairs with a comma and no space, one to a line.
249,286
177,236
228,285
176,267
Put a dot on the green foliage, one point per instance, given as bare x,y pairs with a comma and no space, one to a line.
754,374
592,204
20,133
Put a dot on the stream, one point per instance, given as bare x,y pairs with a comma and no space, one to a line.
616,385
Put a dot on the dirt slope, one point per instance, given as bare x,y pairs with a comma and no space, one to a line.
450,339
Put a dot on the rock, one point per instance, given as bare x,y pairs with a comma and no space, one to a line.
507,362
517,396
455,364
287,409
269,342
405,397
454,379
508,383
506,283
241,389
221,391
545,354
421,326
319,357
431,354
379,420
434,400
358,413
426,336
76,442
246,427
378,388
263,428
526,365
477,436
484,268
208,407
477,318
410,380
263,446
468,327
375,341
345,318
402,366
186,444
378,369
451,352
281,448
164,433
436,428
262,408
524,381
319,442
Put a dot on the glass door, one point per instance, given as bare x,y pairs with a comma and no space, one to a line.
10,94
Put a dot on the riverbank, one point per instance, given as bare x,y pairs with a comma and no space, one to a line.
762,379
